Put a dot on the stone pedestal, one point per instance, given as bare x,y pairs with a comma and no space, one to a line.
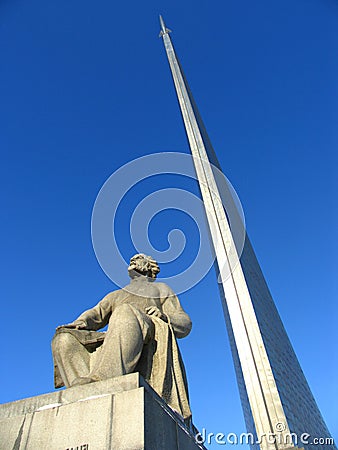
122,413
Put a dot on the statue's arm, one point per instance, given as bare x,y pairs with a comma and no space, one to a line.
94,318
178,318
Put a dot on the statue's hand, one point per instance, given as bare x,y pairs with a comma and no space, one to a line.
154,311
77,325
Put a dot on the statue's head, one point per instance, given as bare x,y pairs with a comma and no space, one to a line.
141,264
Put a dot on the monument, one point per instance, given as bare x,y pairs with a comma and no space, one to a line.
126,387
275,395
144,319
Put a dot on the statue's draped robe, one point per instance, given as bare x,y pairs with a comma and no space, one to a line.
159,360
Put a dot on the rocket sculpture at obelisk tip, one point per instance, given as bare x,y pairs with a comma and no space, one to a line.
249,310
164,30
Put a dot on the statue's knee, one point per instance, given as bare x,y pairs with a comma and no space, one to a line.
63,342
123,314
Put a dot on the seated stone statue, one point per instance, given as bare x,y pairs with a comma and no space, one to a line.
144,319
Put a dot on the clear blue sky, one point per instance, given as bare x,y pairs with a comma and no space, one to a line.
85,88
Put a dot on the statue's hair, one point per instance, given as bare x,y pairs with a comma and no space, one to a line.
144,264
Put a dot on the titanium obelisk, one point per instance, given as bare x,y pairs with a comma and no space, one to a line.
275,396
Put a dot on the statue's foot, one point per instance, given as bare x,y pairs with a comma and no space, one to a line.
82,380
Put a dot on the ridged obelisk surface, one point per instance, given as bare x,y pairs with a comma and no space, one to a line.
247,303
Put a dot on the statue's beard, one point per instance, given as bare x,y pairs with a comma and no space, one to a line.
134,273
